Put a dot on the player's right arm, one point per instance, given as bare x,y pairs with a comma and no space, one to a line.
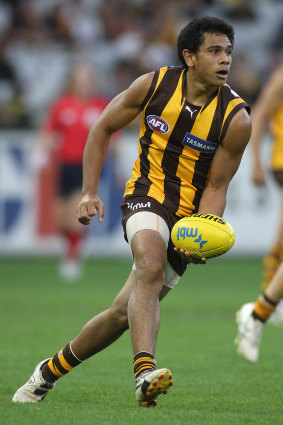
123,109
268,102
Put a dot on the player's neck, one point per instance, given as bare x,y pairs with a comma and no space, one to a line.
197,92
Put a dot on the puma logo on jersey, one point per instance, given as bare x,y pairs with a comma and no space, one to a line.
191,112
157,124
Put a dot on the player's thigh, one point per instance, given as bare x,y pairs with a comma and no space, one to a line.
142,220
147,234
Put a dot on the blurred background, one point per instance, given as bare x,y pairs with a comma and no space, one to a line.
40,43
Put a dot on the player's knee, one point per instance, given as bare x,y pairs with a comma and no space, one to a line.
119,316
150,270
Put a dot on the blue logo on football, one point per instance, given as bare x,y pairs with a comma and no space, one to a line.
189,232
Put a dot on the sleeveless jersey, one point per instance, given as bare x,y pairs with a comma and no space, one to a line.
277,132
177,141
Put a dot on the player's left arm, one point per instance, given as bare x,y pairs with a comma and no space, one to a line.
225,163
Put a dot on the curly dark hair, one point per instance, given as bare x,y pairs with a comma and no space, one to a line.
191,36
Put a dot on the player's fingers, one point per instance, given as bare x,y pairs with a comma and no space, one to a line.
180,252
191,258
184,254
201,260
84,221
188,256
100,212
195,260
83,214
91,209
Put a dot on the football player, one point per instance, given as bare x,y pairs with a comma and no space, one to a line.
269,109
172,177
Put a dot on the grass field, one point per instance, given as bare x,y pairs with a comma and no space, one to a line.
212,384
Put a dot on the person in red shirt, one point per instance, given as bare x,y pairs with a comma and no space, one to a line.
63,137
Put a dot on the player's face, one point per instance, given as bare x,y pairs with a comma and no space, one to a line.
213,60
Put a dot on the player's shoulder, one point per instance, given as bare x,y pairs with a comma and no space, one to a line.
240,104
240,127
171,71
147,82
139,88
144,79
229,92
177,69
239,121
149,77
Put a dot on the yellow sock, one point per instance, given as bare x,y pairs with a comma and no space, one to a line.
263,308
60,364
143,361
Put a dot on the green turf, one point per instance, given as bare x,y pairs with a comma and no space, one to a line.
212,384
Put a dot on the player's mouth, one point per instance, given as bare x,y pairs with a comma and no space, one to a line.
222,73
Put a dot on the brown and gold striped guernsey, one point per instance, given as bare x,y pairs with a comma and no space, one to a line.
177,141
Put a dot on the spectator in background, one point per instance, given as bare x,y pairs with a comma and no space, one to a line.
65,131
59,28
244,77
74,23
12,110
125,71
242,10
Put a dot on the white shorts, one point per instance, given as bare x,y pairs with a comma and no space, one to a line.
149,220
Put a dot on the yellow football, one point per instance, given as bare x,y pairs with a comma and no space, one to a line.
203,235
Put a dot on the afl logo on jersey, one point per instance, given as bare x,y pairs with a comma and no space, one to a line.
158,124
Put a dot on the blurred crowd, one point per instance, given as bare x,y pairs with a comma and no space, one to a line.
41,40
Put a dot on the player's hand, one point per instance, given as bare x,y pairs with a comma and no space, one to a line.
258,175
88,207
187,256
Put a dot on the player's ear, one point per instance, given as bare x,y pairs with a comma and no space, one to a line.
189,57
